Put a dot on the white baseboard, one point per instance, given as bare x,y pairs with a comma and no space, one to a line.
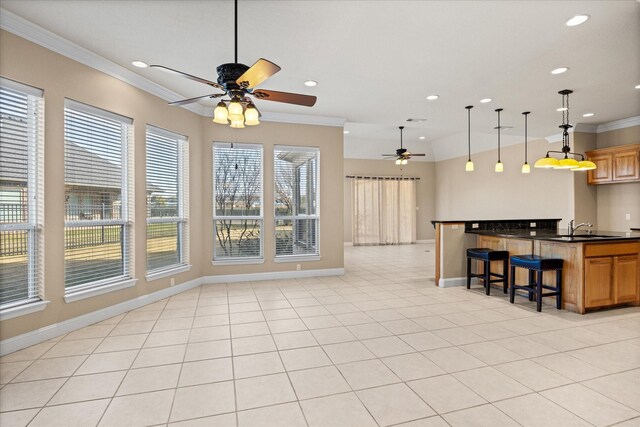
19,342
348,243
426,241
272,275
452,281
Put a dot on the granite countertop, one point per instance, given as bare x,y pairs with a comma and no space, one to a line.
561,235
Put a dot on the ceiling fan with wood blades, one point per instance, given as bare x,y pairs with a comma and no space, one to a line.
402,154
238,82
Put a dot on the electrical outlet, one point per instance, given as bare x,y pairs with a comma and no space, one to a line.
532,224
173,281
298,268
475,225
627,217
532,233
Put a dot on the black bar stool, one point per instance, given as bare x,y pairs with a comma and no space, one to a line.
537,265
486,256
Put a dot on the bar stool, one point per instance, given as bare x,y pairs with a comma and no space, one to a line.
486,256
537,265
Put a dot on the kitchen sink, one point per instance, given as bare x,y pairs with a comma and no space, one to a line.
581,236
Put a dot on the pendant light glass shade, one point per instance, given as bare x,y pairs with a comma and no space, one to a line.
251,116
567,163
237,124
499,167
398,161
469,166
221,114
526,168
235,111
547,162
584,165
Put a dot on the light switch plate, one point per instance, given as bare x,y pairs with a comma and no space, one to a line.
475,225
627,217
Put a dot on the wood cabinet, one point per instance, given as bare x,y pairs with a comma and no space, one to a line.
614,165
612,274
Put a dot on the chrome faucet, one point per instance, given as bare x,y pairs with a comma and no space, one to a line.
573,229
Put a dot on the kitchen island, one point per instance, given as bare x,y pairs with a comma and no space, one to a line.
601,268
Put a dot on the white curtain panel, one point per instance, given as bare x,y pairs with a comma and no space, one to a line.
384,211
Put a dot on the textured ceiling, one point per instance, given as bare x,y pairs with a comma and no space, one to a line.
376,61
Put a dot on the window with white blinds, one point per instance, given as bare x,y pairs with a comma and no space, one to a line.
167,199
98,171
237,201
21,194
297,200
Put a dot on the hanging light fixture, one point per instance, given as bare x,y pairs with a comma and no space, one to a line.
251,115
525,167
469,166
221,114
566,162
499,166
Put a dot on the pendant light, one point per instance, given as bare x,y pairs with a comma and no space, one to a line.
469,166
525,167
499,166
566,162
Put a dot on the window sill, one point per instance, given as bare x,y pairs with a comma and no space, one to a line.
238,261
297,258
22,310
99,290
159,274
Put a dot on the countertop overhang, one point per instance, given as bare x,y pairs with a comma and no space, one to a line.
561,235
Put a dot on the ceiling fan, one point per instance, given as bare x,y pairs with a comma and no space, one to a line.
402,155
238,81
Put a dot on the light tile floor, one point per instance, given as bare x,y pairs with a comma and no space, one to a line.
379,346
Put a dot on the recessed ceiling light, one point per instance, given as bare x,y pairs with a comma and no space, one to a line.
140,64
346,132
311,83
577,20
433,97
485,100
560,70
422,137
562,109
588,114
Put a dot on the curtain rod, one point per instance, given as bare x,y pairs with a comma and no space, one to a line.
393,178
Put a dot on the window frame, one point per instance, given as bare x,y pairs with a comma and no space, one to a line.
297,257
182,199
127,203
34,197
248,259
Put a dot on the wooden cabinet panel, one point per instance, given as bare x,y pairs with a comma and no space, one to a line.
611,249
603,172
599,286
495,243
520,247
625,166
626,278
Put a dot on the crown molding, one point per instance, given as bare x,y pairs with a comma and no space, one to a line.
45,38
619,124
593,128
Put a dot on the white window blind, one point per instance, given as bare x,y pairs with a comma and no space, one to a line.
98,169
167,199
21,194
237,198
297,200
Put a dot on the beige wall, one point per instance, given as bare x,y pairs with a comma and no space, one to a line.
329,140
485,194
425,190
617,200
62,78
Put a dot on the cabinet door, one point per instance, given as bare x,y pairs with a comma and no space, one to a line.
603,172
598,277
495,243
626,278
625,166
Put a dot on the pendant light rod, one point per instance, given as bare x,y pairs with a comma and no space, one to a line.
401,128
526,116
469,107
498,110
235,27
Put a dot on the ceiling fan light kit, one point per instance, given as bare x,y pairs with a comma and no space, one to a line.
238,82
402,156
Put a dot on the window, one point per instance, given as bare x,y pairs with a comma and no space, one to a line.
98,167
167,199
21,194
237,199
297,204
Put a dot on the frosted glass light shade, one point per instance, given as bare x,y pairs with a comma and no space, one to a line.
221,114
526,168
584,165
251,116
237,124
546,162
567,163
469,166
499,167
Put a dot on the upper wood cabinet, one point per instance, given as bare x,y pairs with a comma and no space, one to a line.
616,164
